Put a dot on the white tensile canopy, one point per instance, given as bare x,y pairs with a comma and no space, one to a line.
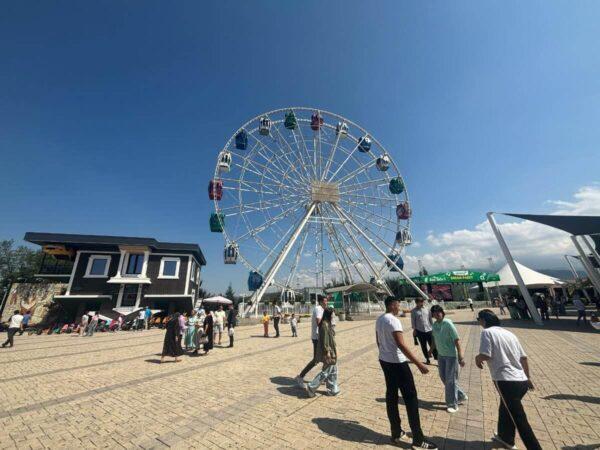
531,278
218,300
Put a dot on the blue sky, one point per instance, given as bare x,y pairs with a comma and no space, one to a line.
112,113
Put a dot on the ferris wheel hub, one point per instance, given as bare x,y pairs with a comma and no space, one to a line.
322,191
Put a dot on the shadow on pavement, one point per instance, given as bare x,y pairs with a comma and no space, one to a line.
581,398
283,381
293,391
595,364
582,447
425,404
562,324
455,444
155,361
352,431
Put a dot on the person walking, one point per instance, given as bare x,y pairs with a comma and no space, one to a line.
182,318
294,325
231,323
84,322
394,355
470,301
316,317
265,321
450,355
15,323
172,342
580,307
147,316
219,323
509,369
277,318
501,304
92,325
327,354
420,319
208,332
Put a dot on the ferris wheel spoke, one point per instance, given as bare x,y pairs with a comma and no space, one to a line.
381,199
369,182
308,162
299,251
265,225
355,172
372,213
293,226
330,159
281,153
256,171
350,154
306,177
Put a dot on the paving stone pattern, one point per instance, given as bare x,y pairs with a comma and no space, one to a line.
108,391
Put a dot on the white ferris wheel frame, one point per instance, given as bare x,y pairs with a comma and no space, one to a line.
297,181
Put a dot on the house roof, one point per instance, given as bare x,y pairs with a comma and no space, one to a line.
90,240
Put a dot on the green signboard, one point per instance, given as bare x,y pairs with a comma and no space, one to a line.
457,276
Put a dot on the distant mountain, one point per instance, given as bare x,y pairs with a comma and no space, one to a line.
562,274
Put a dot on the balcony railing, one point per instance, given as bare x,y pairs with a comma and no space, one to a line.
52,266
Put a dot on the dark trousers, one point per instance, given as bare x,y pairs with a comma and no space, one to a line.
230,336
398,376
11,335
276,325
312,362
581,315
510,406
424,339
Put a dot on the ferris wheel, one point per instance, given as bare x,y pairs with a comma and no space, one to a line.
305,197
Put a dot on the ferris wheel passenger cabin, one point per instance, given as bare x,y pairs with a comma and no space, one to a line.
405,237
364,144
396,186
217,220
264,126
341,129
288,296
215,189
255,281
316,121
224,161
230,254
403,211
241,140
383,163
397,260
290,121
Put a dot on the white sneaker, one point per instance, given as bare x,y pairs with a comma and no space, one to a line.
503,443
452,410
299,381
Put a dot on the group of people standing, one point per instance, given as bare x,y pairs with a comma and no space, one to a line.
198,331
439,339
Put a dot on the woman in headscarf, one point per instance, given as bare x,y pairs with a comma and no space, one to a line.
171,347
190,333
208,332
327,354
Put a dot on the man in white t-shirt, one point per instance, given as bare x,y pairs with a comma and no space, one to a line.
141,319
219,316
15,323
510,372
470,301
394,355
315,320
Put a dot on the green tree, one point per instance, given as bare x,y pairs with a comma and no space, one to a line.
229,293
17,263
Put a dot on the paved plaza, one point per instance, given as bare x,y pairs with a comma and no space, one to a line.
109,391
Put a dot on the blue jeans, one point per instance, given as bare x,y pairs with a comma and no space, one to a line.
448,368
329,375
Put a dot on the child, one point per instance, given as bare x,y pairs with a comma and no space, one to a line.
265,322
294,325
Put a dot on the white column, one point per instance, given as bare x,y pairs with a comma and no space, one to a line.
513,268
592,274
138,297
121,261
145,265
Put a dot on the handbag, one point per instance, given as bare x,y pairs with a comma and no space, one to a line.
203,337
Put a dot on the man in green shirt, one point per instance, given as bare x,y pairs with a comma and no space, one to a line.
450,356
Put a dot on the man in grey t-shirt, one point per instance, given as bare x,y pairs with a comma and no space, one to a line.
420,319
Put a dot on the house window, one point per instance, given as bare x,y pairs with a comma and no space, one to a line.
169,268
129,295
193,272
135,263
97,266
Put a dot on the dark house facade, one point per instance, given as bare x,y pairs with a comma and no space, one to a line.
122,274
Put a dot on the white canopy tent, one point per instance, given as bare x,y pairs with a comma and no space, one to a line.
531,278
217,300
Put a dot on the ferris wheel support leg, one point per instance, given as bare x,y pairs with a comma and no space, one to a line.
362,252
381,252
278,262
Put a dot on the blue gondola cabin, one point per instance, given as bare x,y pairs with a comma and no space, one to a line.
241,140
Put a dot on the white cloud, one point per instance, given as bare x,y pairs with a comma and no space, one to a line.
530,243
